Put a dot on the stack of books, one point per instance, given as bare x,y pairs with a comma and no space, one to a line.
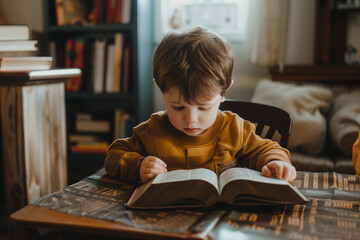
16,38
90,133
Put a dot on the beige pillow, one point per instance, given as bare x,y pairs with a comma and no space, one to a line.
305,104
344,120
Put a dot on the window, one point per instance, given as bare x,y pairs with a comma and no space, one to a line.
226,17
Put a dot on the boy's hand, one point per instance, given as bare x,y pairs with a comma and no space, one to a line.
279,169
150,167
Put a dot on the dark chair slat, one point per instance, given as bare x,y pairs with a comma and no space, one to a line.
275,119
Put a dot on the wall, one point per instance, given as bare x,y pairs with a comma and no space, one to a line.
22,11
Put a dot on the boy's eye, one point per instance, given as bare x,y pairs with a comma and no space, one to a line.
203,108
178,108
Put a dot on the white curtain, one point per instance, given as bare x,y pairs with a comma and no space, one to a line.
267,32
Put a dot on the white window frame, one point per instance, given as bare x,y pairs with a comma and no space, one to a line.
164,9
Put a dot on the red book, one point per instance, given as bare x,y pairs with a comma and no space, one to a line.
78,62
88,149
127,66
60,12
69,59
111,10
99,11
118,11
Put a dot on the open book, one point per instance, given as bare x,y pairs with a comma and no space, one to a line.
202,188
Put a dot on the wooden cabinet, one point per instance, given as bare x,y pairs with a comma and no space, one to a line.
33,134
332,18
138,102
331,30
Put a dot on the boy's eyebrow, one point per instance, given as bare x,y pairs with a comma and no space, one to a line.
198,104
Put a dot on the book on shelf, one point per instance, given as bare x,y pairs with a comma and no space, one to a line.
53,53
118,12
119,44
18,45
74,48
11,64
92,123
98,148
80,138
121,124
110,11
126,11
202,188
60,12
15,32
110,68
93,126
126,78
99,65
87,143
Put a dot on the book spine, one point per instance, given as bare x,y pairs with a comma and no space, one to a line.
119,39
127,67
110,67
99,64
78,62
69,59
60,12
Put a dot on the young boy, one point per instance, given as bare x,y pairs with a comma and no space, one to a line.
356,155
193,69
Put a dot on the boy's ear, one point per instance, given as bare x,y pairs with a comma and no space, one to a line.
232,81
222,99
155,83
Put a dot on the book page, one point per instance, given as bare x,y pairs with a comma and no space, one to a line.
246,174
183,175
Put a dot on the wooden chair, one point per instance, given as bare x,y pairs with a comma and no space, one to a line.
268,119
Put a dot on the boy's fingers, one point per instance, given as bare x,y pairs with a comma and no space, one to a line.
266,171
155,166
147,177
156,160
277,169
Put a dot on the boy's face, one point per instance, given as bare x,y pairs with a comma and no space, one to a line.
192,119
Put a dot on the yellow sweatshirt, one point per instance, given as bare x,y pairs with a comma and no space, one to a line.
228,139
356,155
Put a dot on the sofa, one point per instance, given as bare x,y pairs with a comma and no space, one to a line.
325,122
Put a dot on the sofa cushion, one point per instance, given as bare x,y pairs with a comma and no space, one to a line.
311,163
306,105
344,121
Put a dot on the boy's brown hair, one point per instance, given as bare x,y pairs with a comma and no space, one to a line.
196,61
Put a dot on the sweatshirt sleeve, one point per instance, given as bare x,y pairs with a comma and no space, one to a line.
356,155
124,155
255,152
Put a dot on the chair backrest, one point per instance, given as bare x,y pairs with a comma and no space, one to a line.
268,119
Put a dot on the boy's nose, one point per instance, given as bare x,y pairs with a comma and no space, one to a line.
190,116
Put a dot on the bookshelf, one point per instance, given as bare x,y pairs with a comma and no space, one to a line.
332,18
138,102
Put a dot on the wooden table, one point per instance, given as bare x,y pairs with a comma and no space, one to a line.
69,226
332,213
